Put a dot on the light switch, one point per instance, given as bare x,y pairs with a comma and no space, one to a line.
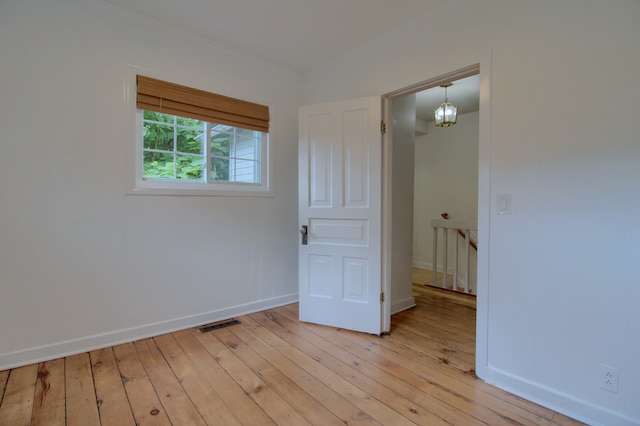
504,204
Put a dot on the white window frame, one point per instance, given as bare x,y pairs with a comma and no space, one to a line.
138,185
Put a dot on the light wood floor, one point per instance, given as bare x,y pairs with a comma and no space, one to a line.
272,369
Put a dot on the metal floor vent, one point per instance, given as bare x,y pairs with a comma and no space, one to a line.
218,325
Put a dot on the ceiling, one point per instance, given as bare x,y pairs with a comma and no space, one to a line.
300,35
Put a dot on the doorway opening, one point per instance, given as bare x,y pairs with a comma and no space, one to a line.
423,182
445,194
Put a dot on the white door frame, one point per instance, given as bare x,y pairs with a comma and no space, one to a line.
483,67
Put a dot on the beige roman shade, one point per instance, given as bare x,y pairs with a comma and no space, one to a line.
160,96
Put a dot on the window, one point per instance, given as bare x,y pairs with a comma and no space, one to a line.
178,148
195,142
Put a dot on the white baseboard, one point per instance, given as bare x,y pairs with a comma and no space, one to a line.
422,265
429,266
403,305
98,341
555,400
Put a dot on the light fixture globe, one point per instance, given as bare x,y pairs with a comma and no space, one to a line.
446,115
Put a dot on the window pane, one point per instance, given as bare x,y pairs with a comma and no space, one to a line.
190,140
246,133
158,165
247,148
217,128
189,122
245,171
219,169
189,167
157,116
220,144
158,136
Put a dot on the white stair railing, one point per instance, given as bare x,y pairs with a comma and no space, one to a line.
460,227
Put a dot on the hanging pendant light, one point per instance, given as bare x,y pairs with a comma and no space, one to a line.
446,114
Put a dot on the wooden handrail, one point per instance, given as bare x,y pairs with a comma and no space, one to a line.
461,233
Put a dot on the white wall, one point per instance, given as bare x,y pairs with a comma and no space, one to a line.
446,180
84,265
559,292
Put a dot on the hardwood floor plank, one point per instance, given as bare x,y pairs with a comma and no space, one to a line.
4,377
458,323
241,407
177,404
440,322
311,409
113,404
562,420
432,385
432,377
17,402
379,411
201,391
439,340
278,409
442,351
81,402
145,404
443,315
423,401
49,400
450,383
539,414
325,356
338,405
457,297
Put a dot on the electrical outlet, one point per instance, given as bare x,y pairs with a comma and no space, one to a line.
608,378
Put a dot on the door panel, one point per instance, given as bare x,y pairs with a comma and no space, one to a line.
340,168
355,280
356,155
354,232
319,268
319,161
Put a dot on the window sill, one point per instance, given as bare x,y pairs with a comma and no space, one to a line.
196,190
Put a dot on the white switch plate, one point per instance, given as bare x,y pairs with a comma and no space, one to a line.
503,203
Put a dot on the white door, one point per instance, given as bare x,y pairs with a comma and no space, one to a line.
340,167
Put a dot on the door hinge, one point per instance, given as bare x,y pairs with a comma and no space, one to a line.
382,297
383,127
